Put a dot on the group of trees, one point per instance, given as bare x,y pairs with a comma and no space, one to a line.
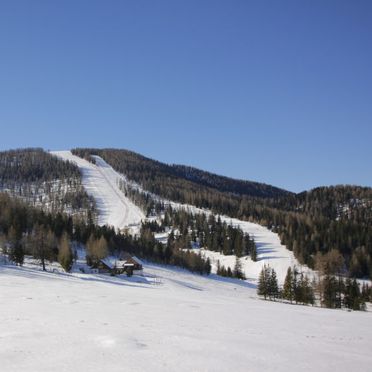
268,283
173,253
298,288
237,272
331,290
209,232
41,243
26,230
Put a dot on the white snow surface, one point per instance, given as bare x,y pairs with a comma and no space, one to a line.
169,320
101,181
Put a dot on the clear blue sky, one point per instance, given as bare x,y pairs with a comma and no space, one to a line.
273,91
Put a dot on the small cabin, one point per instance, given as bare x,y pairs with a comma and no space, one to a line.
124,264
133,261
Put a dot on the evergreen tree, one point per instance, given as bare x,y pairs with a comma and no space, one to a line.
273,285
352,296
238,272
288,290
17,253
263,288
329,291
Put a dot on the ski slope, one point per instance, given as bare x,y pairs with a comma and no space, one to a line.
101,182
270,251
178,322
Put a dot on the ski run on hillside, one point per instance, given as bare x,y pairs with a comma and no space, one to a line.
101,181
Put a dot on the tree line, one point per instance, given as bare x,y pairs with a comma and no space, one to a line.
206,231
332,291
25,230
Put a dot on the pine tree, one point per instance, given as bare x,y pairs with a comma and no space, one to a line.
263,288
352,297
253,251
288,291
238,273
17,253
273,285
329,291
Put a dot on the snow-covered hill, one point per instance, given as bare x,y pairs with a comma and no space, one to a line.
101,182
178,322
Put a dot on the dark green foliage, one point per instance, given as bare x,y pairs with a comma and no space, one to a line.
289,286
268,283
238,272
206,232
303,290
16,253
353,298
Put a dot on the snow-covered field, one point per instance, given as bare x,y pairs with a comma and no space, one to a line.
101,181
179,322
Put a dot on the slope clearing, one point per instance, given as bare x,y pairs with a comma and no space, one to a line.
101,182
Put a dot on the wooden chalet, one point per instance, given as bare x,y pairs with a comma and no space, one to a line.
124,264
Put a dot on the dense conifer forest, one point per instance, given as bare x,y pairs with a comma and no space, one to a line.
311,223
26,230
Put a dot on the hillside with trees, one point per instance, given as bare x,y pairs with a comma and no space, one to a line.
311,223
49,237
45,181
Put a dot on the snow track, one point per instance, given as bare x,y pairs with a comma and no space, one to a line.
101,182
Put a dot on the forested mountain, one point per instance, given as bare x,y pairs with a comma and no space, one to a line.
312,223
151,174
43,180
26,230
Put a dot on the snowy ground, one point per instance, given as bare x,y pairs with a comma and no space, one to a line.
101,182
185,322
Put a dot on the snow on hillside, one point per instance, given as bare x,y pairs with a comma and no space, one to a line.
101,182
270,251
185,322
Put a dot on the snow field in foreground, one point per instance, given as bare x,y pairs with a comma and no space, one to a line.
56,322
